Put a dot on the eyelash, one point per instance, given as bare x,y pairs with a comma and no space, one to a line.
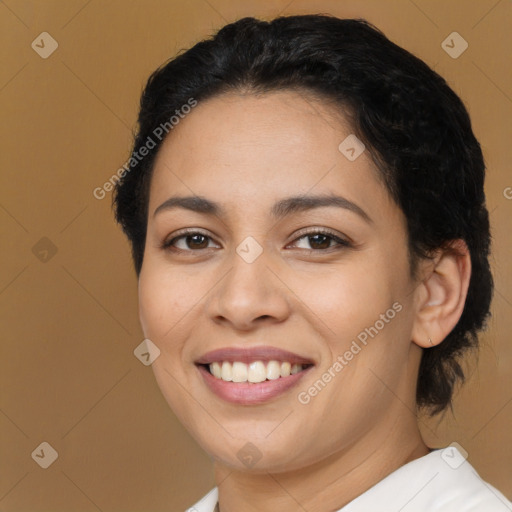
341,243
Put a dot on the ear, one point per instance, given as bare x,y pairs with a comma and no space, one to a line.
441,295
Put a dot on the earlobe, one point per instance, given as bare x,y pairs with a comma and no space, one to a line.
443,295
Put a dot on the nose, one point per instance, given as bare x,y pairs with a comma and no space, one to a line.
248,296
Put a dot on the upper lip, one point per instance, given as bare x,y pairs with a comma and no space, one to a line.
250,354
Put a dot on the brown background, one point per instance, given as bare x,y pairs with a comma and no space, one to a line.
70,325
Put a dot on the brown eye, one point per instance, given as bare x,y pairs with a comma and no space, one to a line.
188,242
320,241
196,241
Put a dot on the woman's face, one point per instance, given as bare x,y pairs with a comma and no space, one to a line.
263,282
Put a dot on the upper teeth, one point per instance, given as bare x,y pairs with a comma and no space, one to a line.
253,372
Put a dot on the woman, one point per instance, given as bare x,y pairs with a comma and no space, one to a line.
307,217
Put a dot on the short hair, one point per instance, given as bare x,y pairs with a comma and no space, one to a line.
414,126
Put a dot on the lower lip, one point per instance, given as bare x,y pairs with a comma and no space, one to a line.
248,393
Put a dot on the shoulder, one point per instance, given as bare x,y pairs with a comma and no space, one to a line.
442,481
207,503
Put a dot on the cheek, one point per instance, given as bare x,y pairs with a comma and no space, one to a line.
153,306
162,303
164,298
347,304
348,298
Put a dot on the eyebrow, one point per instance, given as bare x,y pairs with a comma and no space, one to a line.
280,209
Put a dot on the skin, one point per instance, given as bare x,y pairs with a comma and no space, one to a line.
246,152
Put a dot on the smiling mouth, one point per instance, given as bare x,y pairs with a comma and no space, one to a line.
254,372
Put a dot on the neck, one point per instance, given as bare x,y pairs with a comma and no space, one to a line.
327,485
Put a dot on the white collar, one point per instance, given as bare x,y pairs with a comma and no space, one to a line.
442,481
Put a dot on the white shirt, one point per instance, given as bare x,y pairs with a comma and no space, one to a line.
442,481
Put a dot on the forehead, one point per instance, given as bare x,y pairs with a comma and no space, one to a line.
248,150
